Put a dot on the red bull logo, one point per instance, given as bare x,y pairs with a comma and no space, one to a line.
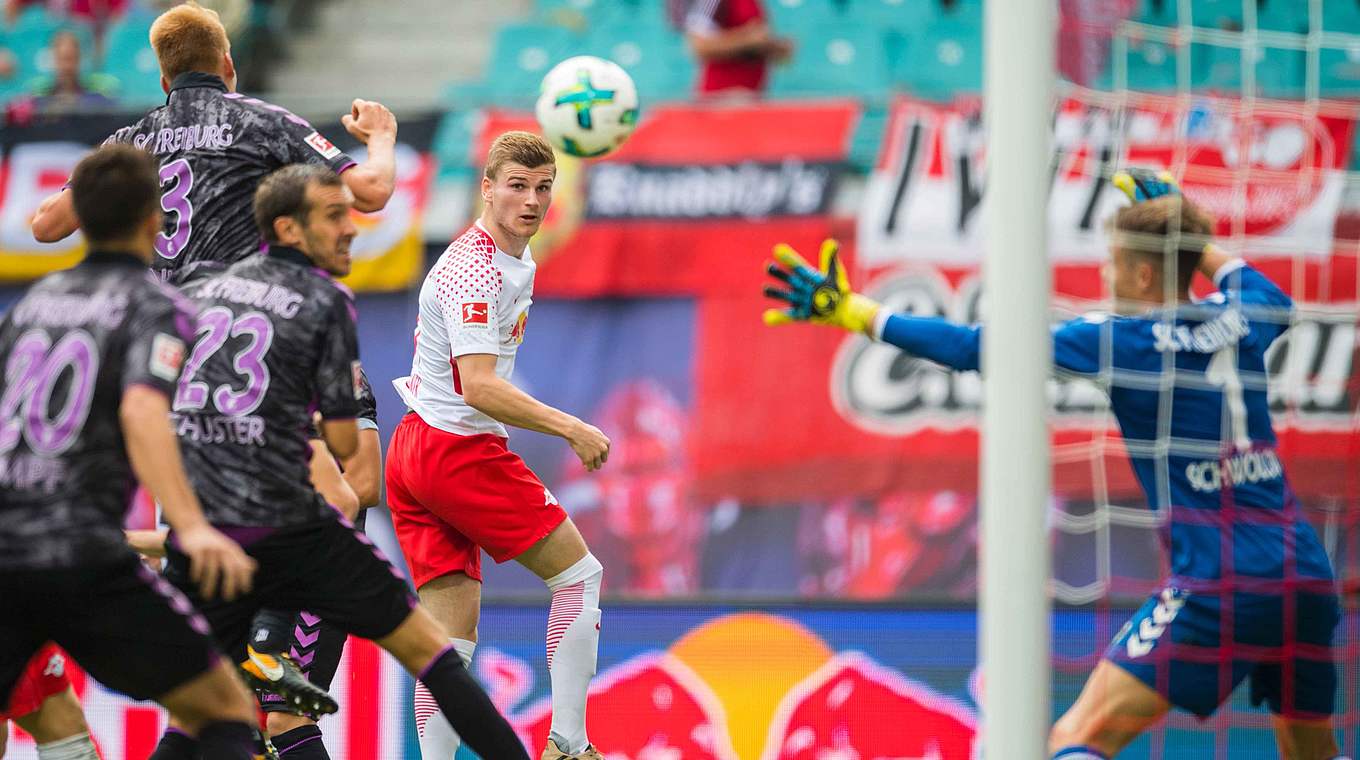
754,686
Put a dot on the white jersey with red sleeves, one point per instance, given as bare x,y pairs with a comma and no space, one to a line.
474,301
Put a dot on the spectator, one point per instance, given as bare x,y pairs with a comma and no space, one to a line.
734,44
67,90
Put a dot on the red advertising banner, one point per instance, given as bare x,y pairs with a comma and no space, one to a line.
692,202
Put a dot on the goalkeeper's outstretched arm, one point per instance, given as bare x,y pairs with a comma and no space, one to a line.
823,296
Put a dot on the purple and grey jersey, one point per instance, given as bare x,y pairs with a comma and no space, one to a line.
213,148
70,347
276,342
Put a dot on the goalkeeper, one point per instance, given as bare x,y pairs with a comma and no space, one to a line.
1250,594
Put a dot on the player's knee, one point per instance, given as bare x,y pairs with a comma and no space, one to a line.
218,695
587,570
417,641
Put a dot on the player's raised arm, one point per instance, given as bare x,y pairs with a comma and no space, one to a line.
373,181
55,218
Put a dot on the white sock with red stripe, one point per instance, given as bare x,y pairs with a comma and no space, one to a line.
573,642
438,740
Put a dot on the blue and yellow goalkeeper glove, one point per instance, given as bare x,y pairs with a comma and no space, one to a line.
1145,184
820,296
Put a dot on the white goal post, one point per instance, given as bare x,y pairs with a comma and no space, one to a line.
1018,98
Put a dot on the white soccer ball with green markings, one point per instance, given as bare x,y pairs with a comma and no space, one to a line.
587,106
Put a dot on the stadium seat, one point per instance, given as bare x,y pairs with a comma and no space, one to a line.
839,59
868,135
1340,15
1279,72
129,57
1217,14
452,145
1339,71
654,56
895,14
522,54
1156,12
798,17
1282,16
942,58
1150,67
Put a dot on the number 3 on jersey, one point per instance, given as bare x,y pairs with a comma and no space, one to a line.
215,327
175,201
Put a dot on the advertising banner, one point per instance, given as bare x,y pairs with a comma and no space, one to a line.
36,161
1272,173
698,193
684,682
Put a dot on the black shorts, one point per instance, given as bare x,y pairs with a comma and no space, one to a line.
126,625
324,567
315,645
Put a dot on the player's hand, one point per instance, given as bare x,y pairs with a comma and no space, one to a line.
591,445
821,296
367,118
216,563
1145,184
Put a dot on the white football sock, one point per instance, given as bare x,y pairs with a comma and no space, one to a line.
573,643
78,747
438,740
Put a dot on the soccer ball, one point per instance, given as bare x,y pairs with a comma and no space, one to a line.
587,106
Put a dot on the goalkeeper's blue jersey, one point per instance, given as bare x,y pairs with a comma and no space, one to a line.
1188,387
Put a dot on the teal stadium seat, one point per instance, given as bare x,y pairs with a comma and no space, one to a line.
868,136
1163,13
520,57
838,59
1279,72
582,13
1150,66
1339,15
1282,16
654,55
797,17
1339,71
452,144
942,58
129,57
1218,14
894,14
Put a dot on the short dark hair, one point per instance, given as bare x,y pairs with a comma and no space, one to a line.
1144,228
284,193
113,190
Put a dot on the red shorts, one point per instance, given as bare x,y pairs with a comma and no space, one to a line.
452,495
44,676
